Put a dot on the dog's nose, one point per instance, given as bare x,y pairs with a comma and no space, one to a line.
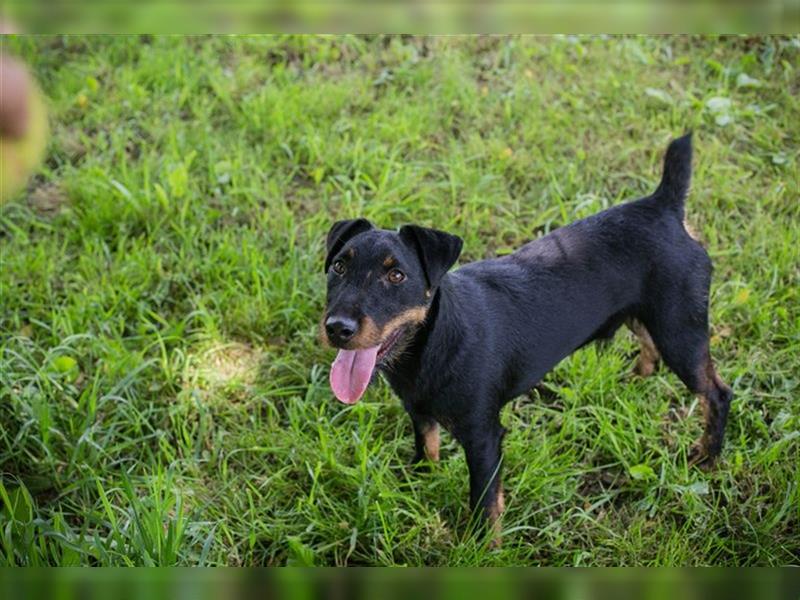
340,329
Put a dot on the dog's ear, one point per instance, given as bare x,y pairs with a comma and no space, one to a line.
340,232
437,250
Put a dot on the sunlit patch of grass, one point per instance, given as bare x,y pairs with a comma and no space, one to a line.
223,365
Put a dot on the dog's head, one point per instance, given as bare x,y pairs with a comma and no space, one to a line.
380,285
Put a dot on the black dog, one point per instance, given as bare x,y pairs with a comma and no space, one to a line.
457,346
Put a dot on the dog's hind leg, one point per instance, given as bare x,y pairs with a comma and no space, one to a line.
679,327
687,354
648,353
715,398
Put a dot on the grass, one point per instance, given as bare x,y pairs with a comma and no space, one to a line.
164,399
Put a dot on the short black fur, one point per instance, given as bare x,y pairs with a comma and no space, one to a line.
495,327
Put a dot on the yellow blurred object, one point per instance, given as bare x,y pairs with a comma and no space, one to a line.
20,156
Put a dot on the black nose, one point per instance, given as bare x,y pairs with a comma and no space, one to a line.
340,329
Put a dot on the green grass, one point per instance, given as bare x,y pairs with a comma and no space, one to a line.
163,396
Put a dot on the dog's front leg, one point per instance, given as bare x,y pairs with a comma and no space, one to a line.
482,445
426,439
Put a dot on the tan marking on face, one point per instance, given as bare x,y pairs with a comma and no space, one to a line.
351,252
648,353
412,316
369,334
323,334
432,439
494,513
389,261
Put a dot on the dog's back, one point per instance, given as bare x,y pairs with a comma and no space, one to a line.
583,281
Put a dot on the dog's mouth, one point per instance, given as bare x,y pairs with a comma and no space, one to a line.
352,370
388,344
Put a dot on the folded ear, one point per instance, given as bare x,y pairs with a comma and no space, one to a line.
340,232
437,250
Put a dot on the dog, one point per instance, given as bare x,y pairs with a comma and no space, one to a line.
457,346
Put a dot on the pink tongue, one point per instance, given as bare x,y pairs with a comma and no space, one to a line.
351,372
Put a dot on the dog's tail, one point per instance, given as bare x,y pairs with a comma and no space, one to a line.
677,175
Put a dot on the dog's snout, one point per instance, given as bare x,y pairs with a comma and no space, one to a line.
340,329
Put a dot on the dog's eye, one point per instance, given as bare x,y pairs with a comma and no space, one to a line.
395,276
338,267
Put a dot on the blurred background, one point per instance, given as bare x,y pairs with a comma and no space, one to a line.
404,16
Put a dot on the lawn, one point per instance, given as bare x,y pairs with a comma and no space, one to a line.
164,398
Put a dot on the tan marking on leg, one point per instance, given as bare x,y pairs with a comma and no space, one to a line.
708,381
432,439
648,353
699,449
495,514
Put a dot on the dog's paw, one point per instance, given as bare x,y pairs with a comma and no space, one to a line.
644,368
421,464
699,456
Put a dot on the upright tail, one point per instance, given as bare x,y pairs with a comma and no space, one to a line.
677,175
